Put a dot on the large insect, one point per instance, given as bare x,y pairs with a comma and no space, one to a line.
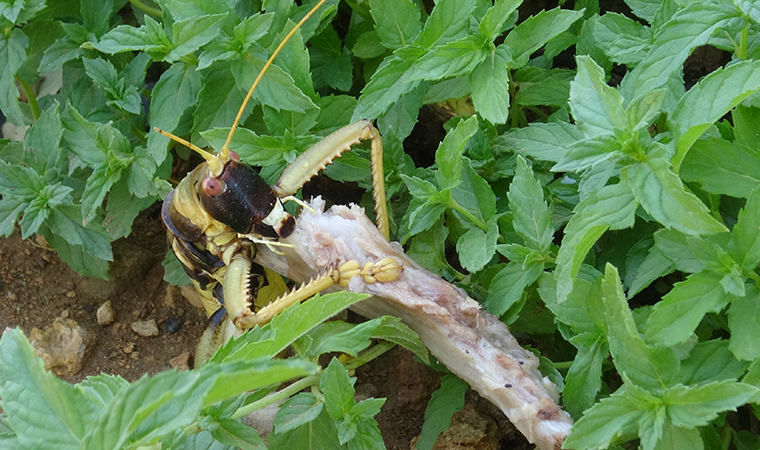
222,209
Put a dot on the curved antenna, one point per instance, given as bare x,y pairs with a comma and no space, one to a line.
214,164
225,151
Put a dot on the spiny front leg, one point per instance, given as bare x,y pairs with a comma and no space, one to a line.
316,158
385,270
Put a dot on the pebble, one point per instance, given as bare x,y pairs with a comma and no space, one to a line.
87,307
71,294
181,361
105,313
145,328
172,325
62,346
12,296
129,348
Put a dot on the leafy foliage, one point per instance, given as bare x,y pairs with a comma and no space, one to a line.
616,210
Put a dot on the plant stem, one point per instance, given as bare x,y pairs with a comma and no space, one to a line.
30,97
368,355
277,396
149,10
467,214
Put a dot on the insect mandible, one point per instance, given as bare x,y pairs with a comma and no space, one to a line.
223,209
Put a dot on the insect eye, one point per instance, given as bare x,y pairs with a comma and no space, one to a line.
234,156
212,186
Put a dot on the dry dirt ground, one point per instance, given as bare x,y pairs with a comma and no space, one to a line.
36,287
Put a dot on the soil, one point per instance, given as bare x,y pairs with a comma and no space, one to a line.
36,287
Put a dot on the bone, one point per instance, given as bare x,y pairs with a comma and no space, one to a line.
471,342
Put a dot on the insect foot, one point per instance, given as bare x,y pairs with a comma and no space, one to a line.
387,269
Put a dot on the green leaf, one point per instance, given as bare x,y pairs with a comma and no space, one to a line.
39,407
612,207
76,256
532,217
389,82
43,143
654,266
647,367
664,197
597,108
711,361
337,389
448,21
277,88
317,434
66,221
544,141
298,410
489,83
744,246
744,322
448,157
397,22
494,18
589,153
508,285
9,212
237,434
543,87
537,30
689,28
695,406
723,167
393,330
584,379
174,273
420,216
452,59
125,38
615,417
476,247
13,47
188,35
623,40
286,327
340,337
174,92
104,74
444,402
675,318
709,100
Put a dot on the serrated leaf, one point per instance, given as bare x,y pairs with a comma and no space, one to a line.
584,378
237,434
448,21
543,87
188,35
531,216
393,330
623,40
337,389
448,157
9,212
695,406
537,30
451,59
296,411
13,47
125,38
655,265
494,18
291,324
611,207
744,322
647,367
319,434
711,361
664,197
544,141
476,247
613,417
389,82
589,153
597,108
508,285
744,246
39,407
489,83
710,100
444,402
723,167
689,28
277,88
675,318
397,23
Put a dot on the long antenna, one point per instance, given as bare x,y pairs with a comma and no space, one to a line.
225,151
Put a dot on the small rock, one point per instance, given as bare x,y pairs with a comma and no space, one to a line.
168,299
12,296
172,325
129,348
105,313
65,314
135,356
62,346
71,294
181,361
145,328
87,307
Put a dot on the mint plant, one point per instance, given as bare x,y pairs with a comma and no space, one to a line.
587,191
